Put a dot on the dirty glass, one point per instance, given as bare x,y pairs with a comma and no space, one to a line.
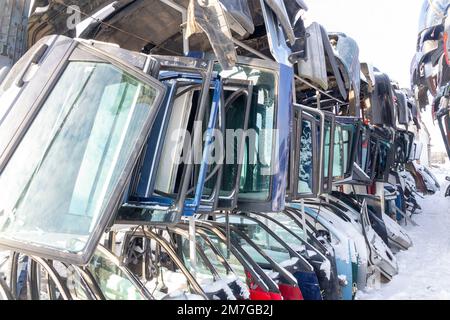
63,173
257,165
306,163
113,282
432,14
203,271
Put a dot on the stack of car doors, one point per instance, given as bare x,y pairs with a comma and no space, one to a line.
157,102
290,206
430,72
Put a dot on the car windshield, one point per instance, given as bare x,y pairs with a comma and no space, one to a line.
65,172
433,13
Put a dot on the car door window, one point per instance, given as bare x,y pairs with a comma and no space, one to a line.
306,164
64,173
257,164
232,260
73,281
114,283
260,237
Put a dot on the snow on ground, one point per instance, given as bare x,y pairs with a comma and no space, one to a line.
425,268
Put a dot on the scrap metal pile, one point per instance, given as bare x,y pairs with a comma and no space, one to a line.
430,68
201,149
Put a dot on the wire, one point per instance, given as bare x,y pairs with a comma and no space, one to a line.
117,28
297,77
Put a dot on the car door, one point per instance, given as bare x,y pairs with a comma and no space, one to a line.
68,162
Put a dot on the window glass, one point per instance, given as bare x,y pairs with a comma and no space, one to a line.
72,280
347,148
169,166
371,156
201,271
166,280
306,163
295,243
235,121
338,153
264,240
383,156
256,170
251,251
326,154
203,246
113,282
364,152
62,175
232,259
290,223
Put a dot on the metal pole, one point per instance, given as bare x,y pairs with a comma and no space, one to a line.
192,245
